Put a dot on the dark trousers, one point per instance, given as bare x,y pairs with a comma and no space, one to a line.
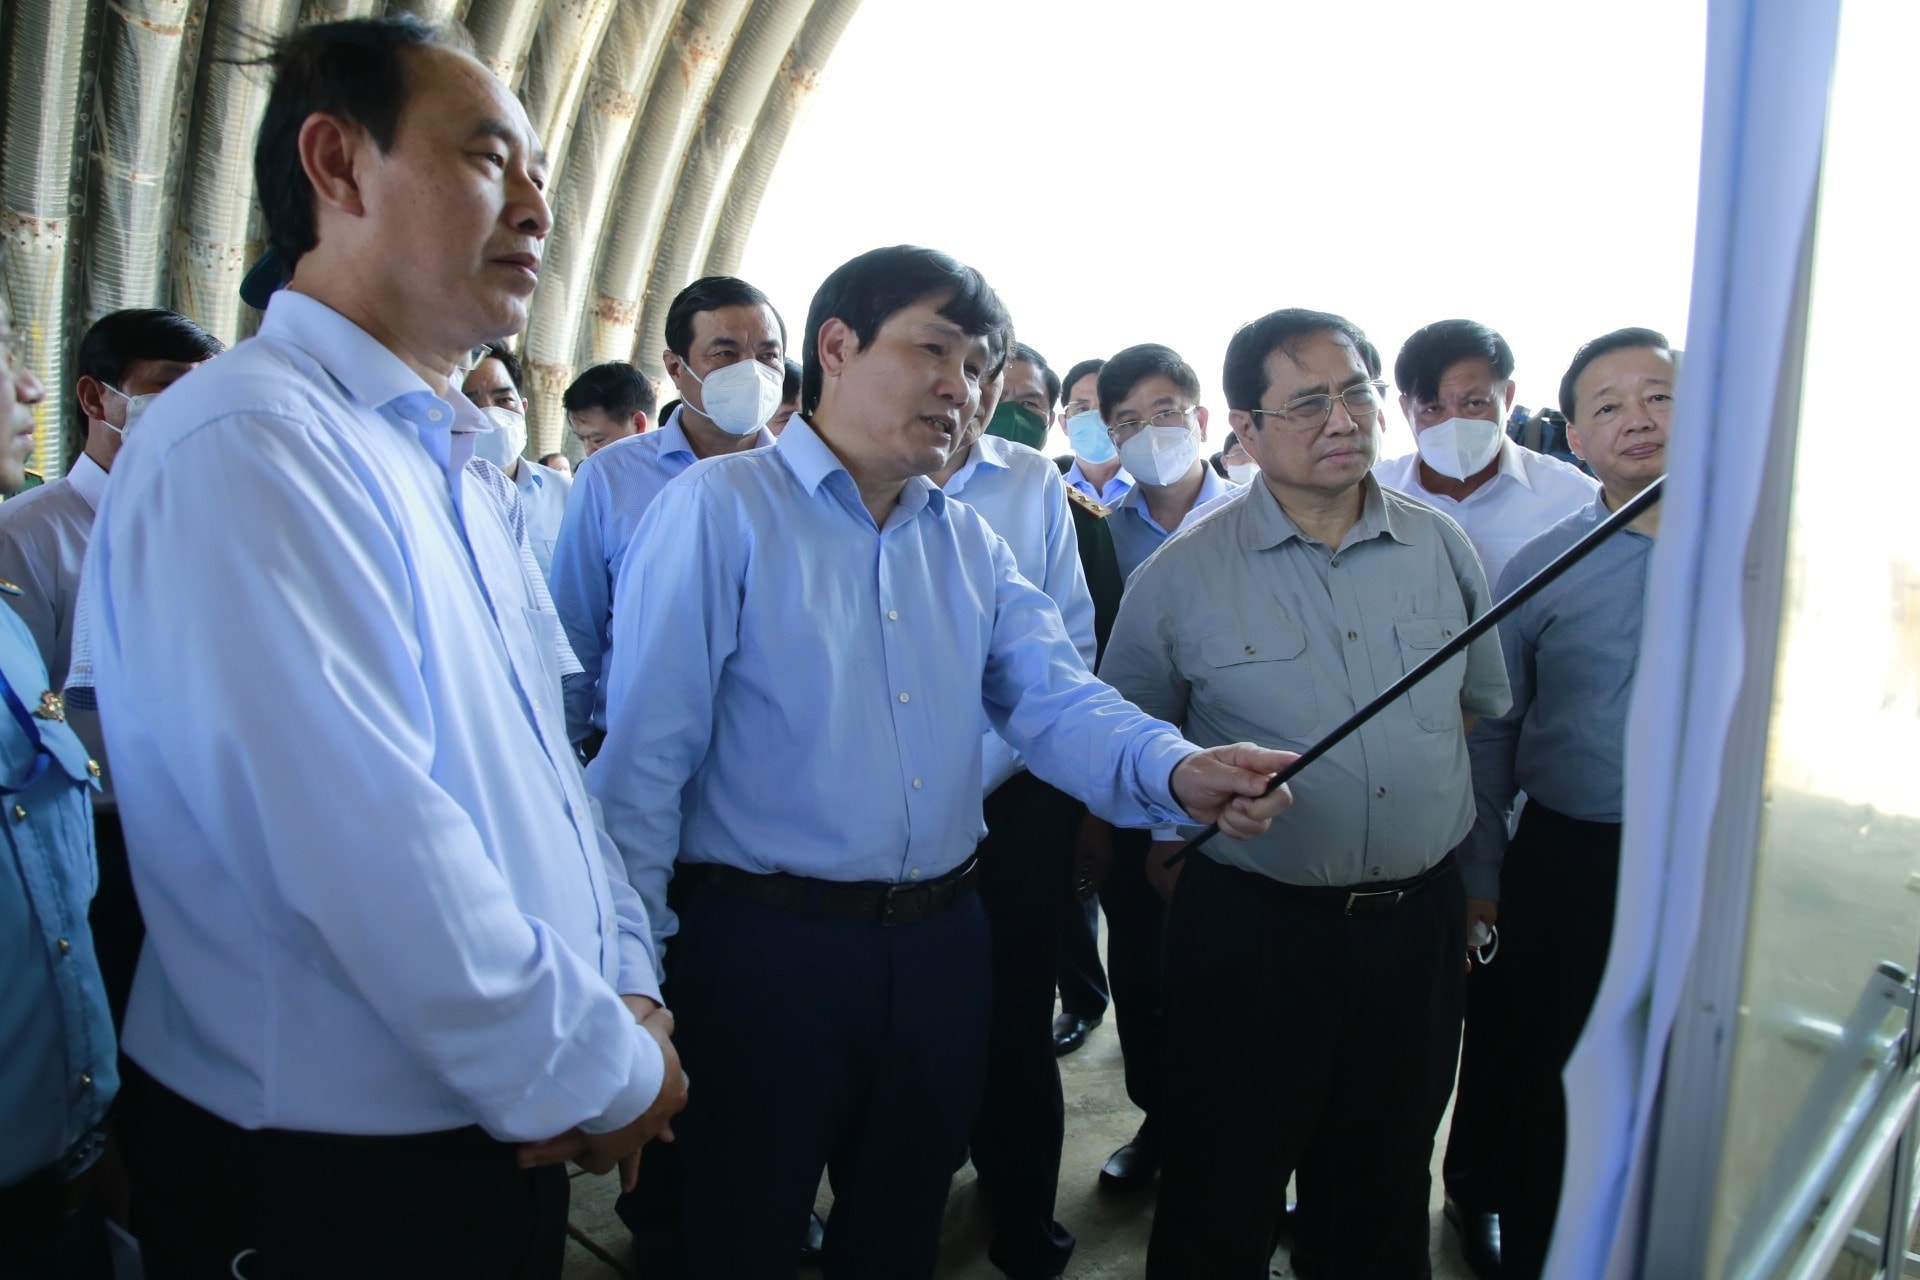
1557,888
1293,1028
1472,1167
72,1248
811,1044
114,915
214,1200
1082,978
1017,1139
1136,923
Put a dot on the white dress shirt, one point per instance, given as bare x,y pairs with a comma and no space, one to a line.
377,898
1018,491
1527,496
543,492
1118,485
43,543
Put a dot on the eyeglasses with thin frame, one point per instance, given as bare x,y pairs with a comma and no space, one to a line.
13,348
1310,413
1121,432
1074,408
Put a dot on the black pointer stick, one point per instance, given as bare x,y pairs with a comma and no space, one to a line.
1473,631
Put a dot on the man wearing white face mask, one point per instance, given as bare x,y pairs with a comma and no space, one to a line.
493,384
125,359
1455,379
1149,399
726,354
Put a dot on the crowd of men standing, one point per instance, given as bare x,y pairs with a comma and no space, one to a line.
402,784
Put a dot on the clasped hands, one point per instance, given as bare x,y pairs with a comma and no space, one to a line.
603,1152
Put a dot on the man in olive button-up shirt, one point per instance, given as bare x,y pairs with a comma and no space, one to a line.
1313,976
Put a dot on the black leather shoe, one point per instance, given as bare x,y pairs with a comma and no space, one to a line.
814,1243
1070,1032
1479,1239
1134,1165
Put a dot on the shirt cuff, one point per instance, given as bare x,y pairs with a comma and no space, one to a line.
639,976
1158,759
646,1071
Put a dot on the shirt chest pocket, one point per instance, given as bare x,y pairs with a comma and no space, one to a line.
1262,676
1436,699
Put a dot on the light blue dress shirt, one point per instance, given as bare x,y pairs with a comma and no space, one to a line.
794,689
1108,494
1019,493
377,899
611,493
57,1067
1137,535
543,493
1571,654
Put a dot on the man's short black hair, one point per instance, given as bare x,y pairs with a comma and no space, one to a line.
790,385
865,292
710,293
1124,372
1606,344
615,388
1078,372
497,350
1048,377
117,341
1426,356
357,70
1245,374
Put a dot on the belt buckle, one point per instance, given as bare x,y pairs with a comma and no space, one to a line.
887,901
1354,899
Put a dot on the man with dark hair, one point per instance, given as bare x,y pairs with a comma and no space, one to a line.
559,462
1313,976
424,979
1571,652
1455,379
726,354
495,387
125,360
609,402
1031,390
789,399
822,603
1150,401
1094,465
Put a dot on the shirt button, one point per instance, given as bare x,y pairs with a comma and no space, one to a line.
904,698
916,784
893,615
914,874
19,812
1374,872
65,946
433,415
86,1081
1353,635
1381,792
1336,564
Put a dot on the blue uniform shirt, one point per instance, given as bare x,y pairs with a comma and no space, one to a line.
794,689
57,1070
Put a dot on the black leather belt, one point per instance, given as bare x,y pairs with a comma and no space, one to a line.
1352,900
883,904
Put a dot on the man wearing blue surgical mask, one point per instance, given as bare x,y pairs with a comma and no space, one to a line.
494,386
1456,389
1093,467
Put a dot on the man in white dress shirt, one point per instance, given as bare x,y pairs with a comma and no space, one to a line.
1455,379
394,974
125,359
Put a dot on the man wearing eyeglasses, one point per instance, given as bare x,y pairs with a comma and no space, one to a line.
1313,976
1150,400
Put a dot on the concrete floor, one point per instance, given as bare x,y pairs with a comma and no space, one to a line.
1112,1230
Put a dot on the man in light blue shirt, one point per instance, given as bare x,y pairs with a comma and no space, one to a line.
714,324
1150,401
494,386
1094,465
379,905
58,1071
794,708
